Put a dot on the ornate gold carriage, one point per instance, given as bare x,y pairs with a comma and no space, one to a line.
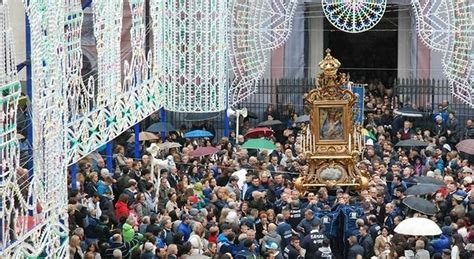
331,142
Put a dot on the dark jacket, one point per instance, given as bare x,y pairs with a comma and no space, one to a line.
291,253
324,253
453,126
167,236
227,247
439,130
368,244
245,254
306,225
374,230
252,188
284,230
124,247
469,133
354,251
148,255
103,232
312,242
153,228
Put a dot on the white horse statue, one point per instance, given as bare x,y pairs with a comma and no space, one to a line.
168,163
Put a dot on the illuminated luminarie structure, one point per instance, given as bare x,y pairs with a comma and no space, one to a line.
448,26
196,39
354,16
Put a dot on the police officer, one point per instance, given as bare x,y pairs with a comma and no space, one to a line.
296,213
313,241
293,250
284,230
374,229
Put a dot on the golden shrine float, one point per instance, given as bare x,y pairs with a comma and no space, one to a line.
331,142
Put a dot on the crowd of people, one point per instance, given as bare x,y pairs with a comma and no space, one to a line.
199,207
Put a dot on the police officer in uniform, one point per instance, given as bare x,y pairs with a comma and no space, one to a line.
292,251
313,241
374,228
296,214
284,230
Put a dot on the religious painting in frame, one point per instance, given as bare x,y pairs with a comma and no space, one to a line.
332,124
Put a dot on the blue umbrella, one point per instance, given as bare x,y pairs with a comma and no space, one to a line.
160,127
198,134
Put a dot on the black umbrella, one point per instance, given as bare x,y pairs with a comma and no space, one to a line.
422,189
421,205
429,180
251,115
270,123
160,127
412,143
201,116
408,112
302,119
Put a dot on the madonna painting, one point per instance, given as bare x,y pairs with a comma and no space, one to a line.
331,123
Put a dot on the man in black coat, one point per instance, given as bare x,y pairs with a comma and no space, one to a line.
167,234
355,249
313,241
469,130
366,241
292,251
173,177
453,129
254,187
153,227
374,227
284,230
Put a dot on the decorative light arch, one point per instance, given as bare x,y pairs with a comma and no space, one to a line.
71,119
256,28
191,59
37,213
354,16
448,26
10,89
195,39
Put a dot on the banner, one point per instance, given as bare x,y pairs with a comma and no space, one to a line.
358,109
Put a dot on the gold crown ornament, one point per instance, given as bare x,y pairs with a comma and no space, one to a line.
329,65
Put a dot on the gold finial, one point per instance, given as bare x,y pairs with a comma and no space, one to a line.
329,65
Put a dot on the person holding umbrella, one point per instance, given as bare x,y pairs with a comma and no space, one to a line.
407,132
458,207
421,252
270,111
390,216
444,240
